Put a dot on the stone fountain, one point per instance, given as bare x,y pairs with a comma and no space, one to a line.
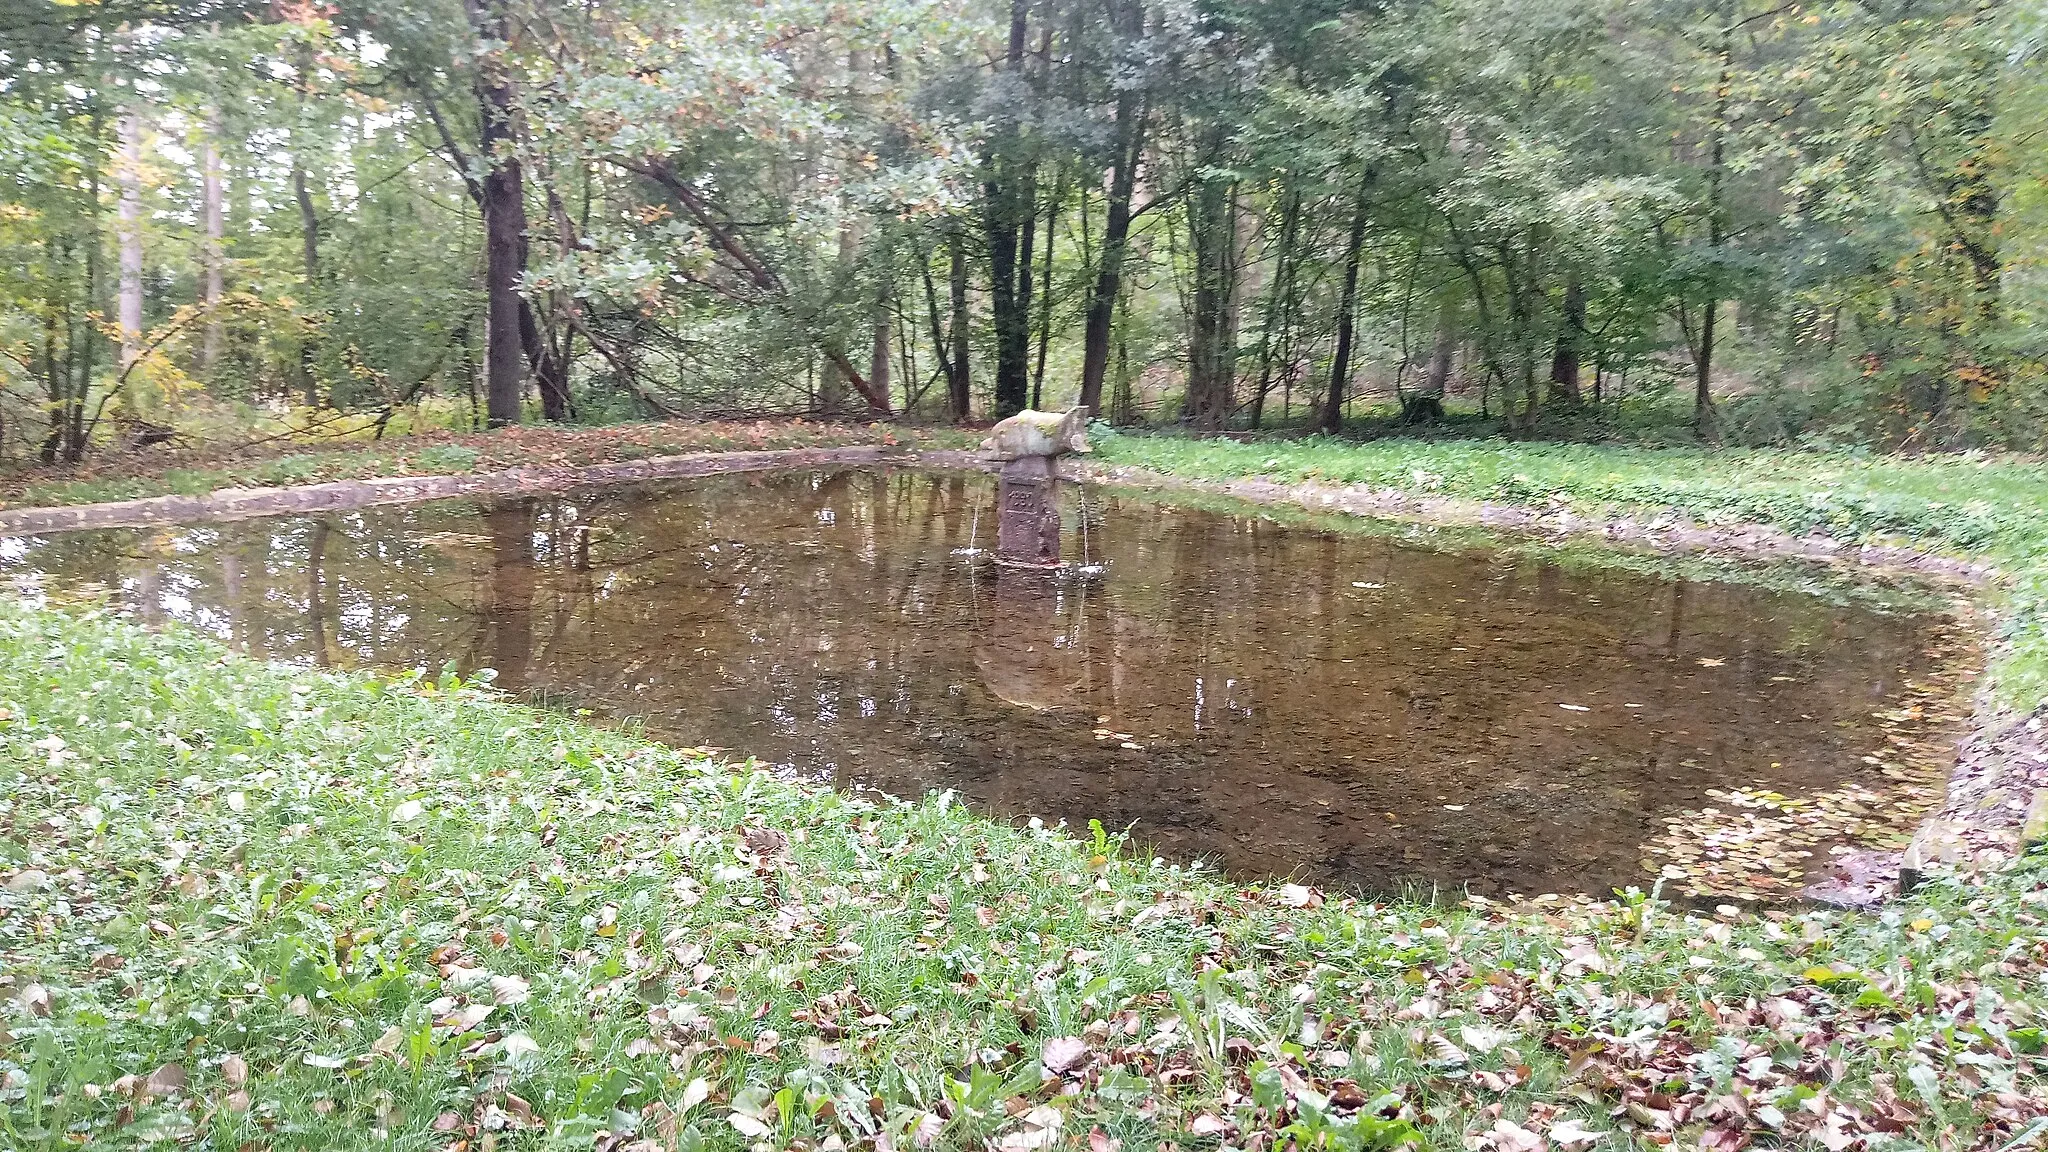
1021,658
1027,486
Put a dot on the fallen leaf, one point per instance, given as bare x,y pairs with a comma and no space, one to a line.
165,1080
388,1043
469,1017
1063,1054
1571,1134
1508,1136
1300,896
509,990
1039,1129
520,1051
694,1093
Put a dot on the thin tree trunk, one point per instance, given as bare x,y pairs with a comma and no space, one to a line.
129,176
878,352
309,226
959,380
1278,300
1052,218
309,258
1027,245
550,368
1703,361
1347,307
1702,375
213,252
938,332
1123,182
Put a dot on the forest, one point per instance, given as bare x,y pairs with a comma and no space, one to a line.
1504,607
1729,221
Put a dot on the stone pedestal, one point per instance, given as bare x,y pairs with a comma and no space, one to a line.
1028,519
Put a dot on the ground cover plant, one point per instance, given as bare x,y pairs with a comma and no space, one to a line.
243,906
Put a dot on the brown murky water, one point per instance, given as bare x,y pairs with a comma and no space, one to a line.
1284,700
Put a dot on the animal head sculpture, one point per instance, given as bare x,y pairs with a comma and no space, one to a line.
1030,433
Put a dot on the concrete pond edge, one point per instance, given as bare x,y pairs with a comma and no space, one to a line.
345,495
1997,798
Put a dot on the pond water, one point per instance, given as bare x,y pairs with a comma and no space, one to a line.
1283,700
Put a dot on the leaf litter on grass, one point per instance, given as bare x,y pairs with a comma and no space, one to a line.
583,940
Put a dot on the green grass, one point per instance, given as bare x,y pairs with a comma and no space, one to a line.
1967,504
245,907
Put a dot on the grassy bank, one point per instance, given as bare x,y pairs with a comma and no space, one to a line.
246,907
168,472
1961,504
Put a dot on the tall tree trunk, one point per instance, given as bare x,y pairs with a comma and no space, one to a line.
1278,309
1131,113
213,252
56,379
1703,357
1702,375
1007,219
70,378
1571,332
1347,309
309,225
959,380
1011,323
878,351
940,349
1052,217
1212,355
129,175
1026,214
309,259
831,380
504,210
1439,376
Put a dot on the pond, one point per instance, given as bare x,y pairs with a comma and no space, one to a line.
1351,708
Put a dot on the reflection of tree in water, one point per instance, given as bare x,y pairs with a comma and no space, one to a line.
1300,699
505,610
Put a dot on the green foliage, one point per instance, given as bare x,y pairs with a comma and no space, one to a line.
1826,216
